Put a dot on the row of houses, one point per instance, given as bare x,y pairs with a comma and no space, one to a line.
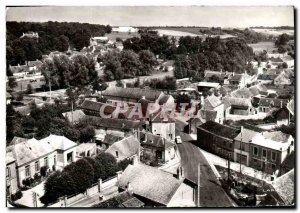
265,151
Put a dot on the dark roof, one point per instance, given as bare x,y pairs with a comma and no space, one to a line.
220,130
114,123
147,138
242,93
211,102
277,136
35,63
133,93
267,77
96,106
17,69
272,102
221,75
110,139
121,200
289,162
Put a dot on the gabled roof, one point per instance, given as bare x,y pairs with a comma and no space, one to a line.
133,93
58,142
147,138
208,84
289,162
211,102
96,106
76,117
121,124
287,58
121,200
150,182
267,77
276,60
246,135
272,102
35,63
277,136
126,148
110,139
238,77
285,187
221,75
17,69
85,147
220,130
242,93
9,158
230,101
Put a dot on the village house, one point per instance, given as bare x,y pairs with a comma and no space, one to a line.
238,106
207,86
288,60
240,80
93,108
34,66
156,148
109,139
94,41
220,76
127,148
266,105
266,78
242,145
86,150
158,188
274,62
124,29
74,116
283,116
19,71
269,150
163,125
285,187
213,109
11,173
30,35
217,138
54,152
120,95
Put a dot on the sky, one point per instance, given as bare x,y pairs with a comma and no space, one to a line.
207,16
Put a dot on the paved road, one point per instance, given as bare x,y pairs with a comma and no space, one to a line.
211,192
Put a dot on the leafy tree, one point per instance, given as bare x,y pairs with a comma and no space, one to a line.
284,65
29,89
148,61
282,40
109,163
99,170
87,133
82,174
12,83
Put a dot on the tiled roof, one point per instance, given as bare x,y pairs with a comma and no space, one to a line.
147,138
291,106
242,93
289,162
277,136
276,59
220,130
211,102
85,146
110,139
150,182
17,69
126,148
34,63
267,77
96,106
285,187
77,115
287,58
133,93
9,158
209,73
121,200
58,142
246,135
230,101
272,102
121,124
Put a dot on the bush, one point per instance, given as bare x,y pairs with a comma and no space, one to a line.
16,196
37,177
28,181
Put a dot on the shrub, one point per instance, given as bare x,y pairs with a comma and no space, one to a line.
16,196
37,177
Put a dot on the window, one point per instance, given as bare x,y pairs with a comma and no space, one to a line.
255,151
27,171
171,136
273,155
37,166
7,173
46,161
117,154
243,146
264,153
54,160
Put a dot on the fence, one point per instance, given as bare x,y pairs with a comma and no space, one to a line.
90,191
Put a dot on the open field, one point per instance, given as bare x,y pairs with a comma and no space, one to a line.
274,32
260,46
113,35
186,31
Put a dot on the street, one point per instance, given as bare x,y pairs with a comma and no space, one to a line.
211,192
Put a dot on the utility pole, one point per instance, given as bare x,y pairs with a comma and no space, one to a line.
199,186
72,112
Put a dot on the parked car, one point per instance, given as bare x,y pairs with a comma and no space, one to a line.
178,139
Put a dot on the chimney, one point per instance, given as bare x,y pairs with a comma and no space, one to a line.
129,188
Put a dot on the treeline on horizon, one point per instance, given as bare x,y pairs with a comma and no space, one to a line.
53,36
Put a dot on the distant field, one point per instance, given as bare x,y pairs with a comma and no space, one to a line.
274,32
112,36
260,46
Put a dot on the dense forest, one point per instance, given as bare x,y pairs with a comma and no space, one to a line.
53,36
